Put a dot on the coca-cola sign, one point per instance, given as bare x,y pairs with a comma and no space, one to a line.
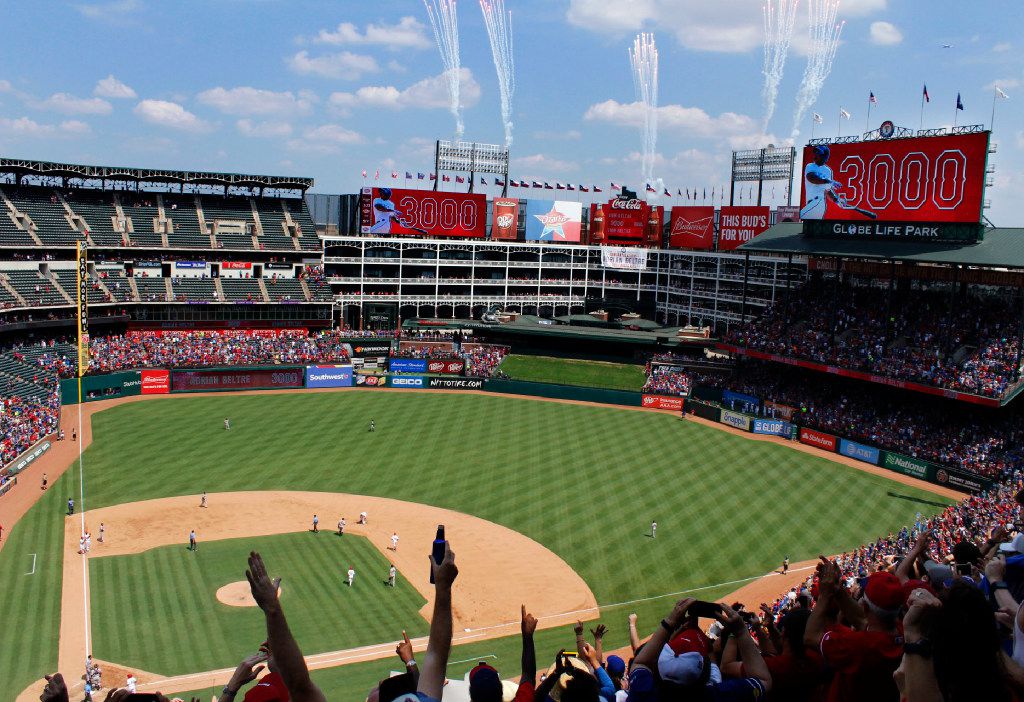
623,203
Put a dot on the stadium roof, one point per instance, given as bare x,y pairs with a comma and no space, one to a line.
72,170
1001,248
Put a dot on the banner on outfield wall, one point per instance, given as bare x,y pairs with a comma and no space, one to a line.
456,384
446,366
407,381
156,382
779,411
775,427
739,224
862,452
933,473
622,258
236,379
662,402
740,401
328,376
704,410
101,387
735,419
818,438
28,458
407,365
371,381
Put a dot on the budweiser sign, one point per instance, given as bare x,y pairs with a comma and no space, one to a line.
692,228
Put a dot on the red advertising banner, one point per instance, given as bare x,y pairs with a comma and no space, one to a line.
235,266
385,211
692,228
453,366
787,213
739,224
505,222
924,179
156,382
819,439
662,402
625,221
195,380
595,234
655,220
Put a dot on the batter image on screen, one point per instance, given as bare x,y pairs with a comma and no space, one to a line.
820,188
383,212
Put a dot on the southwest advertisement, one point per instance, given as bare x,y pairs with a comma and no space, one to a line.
938,179
328,376
553,220
692,228
385,212
505,220
738,225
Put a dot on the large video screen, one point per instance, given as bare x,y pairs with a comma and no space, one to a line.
426,212
553,220
923,179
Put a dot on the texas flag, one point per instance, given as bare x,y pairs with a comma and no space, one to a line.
925,93
460,179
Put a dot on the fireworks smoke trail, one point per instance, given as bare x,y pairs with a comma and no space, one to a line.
445,22
643,57
779,20
499,31
824,35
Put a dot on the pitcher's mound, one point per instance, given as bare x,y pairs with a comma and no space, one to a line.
238,594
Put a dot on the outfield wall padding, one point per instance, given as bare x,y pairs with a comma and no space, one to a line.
101,387
565,392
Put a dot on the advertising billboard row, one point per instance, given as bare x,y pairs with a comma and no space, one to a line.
554,220
328,376
387,211
254,379
505,219
626,222
937,179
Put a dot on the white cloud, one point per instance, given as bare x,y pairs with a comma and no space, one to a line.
1003,83
722,26
106,11
429,93
254,101
567,135
111,87
885,34
1002,46
340,65
5,86
69,104
170,114
325,139
408,33
268,129
689,120
539,163
25,127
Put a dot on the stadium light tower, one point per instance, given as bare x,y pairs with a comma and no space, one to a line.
471,157
760,165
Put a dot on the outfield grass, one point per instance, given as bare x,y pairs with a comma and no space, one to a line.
569,371
167,619
584,481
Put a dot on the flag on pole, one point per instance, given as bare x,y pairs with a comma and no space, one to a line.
872,99
376,174
535,184
679,192
844,114
408,175
650,189
584,189
817,118
1000,93
547,186
959,103
460,179
433,176
394,175
925,94
446,179
420,176
667,193
364,170
598,190
570,186
559,186
615,186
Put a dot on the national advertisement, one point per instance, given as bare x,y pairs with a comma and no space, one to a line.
328,376
236,379
446,366
904,464
505,220
818,438
155,382
938,179
662,402
455,384
407,365
934,473
692,228
622,258
735,419
387,211
775,427
868,454
739,224
407,381
554,220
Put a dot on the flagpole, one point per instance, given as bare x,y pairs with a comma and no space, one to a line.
922,111
813,121
992,121
867,122
839,123
956,109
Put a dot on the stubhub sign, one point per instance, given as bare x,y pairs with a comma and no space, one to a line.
328,376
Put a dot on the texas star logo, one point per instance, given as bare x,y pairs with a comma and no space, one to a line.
553,222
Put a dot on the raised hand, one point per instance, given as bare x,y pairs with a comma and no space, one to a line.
446,572
730,619
578,628
404,648
589,654
678,613
264,590
248,670
55,690
599,632
528,624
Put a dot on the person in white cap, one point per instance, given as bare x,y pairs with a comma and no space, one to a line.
351,575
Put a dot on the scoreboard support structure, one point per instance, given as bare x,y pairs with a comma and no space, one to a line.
472,157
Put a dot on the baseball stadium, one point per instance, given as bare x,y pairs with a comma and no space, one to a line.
443,437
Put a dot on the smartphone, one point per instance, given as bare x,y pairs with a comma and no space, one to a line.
700,608
437,550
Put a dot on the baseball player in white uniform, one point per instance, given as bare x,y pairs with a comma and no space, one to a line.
362,517
351,575
654,530
818,185
341,526
394,541
384,212
392,574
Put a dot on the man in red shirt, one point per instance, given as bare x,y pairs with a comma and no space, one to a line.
864,653
270,688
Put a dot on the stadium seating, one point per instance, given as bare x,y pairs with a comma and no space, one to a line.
99,213
185,232
193,290
48,214
284,289
144,215
241,290
151,289
36,290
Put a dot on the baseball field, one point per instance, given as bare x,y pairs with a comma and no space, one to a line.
548,503
570,371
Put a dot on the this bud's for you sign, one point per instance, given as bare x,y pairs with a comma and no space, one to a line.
738,225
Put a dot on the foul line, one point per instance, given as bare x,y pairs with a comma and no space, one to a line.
475,658
33,572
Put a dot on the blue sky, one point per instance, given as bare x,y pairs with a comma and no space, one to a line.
328,89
